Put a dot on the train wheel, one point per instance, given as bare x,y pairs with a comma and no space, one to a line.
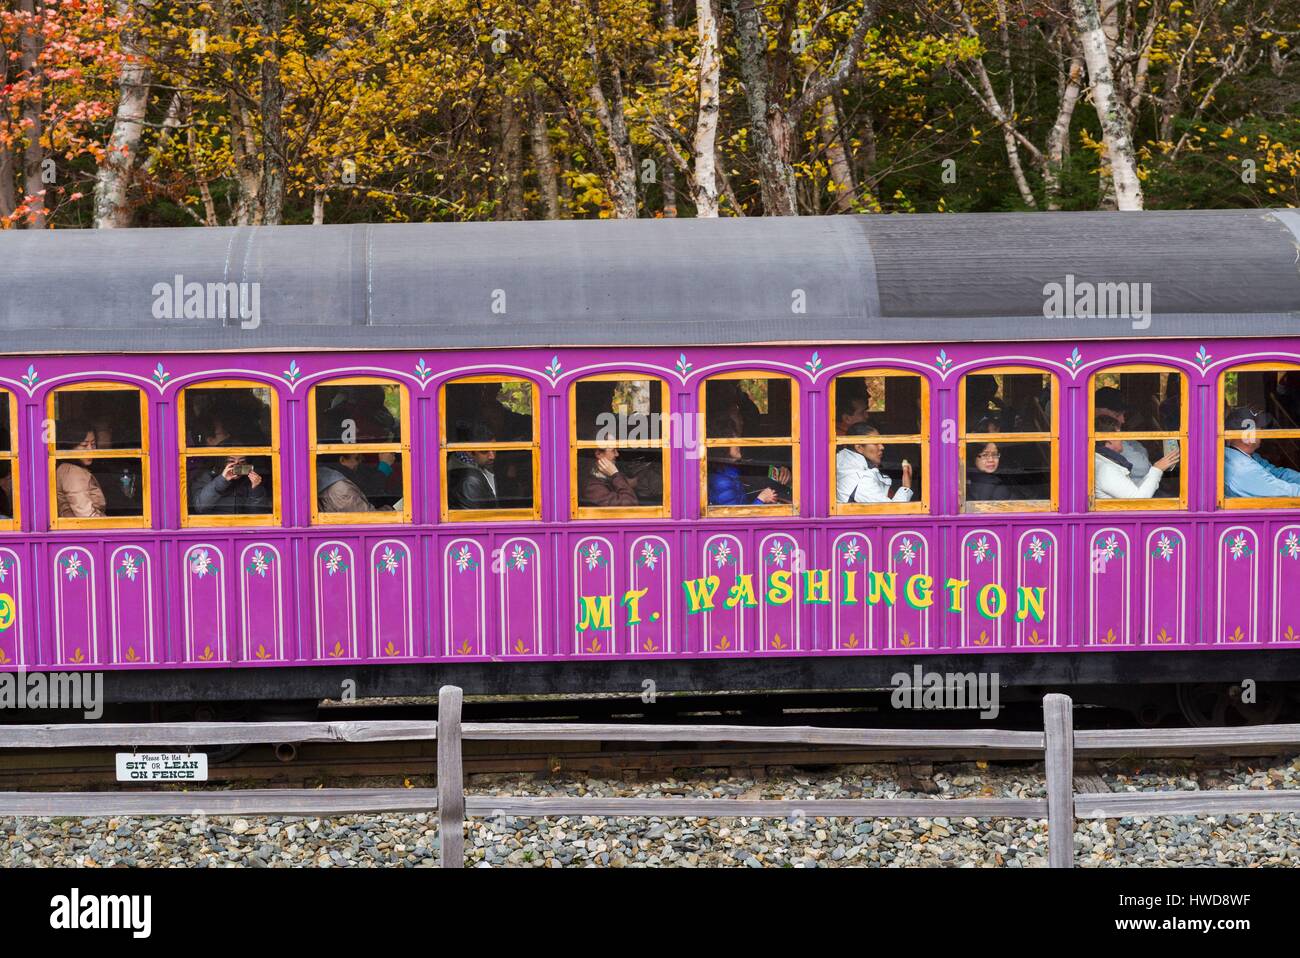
1213,704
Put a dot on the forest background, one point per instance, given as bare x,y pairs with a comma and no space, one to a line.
120,113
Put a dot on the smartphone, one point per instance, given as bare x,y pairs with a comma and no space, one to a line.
242,468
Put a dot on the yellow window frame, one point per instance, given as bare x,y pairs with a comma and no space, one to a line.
14,523
916,506
54,456
965,438
1221,493
402,447
791,440
445,511
273,452
1184,443
663,443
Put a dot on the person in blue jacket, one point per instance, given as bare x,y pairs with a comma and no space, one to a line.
726,488
1245,471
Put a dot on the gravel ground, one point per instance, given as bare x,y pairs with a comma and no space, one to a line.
412,840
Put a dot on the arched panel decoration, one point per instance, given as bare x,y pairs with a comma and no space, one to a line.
879,442
1139,455
489,443
464,598
1008,454
359,439
229,469
619,447
1258,428
750,465
1110,588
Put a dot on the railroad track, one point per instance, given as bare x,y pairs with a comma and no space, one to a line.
310,763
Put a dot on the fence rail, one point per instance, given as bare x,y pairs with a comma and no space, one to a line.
1056,744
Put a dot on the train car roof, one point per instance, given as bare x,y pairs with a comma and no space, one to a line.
870,279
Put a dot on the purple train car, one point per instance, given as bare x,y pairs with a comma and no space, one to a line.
251,463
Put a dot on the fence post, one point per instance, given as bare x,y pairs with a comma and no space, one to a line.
1058,725
451,779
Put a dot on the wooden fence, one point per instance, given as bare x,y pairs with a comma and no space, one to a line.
1056,744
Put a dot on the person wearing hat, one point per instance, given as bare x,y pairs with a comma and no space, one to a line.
1112,475
1245,472
1109,402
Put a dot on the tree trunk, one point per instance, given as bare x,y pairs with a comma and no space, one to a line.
668,174
706,123
622,184
271,17
1116,135
34,152
114,174
8,166
511,165
751,41
1054,155
837,158
543,157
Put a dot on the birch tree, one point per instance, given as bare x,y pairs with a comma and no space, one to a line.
1112,114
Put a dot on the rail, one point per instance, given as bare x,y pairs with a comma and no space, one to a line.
1056,744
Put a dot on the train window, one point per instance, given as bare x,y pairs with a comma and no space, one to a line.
230,454
98,454
9,498
1137,419
359,451
751,445
1007,444
491,450
1259,437
619,448
880,424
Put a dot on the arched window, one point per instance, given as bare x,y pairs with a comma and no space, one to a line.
1007,445
1137,434
359,437
880,442
750,465
491,449
10,500
1259,437
619,447
98,457
230,454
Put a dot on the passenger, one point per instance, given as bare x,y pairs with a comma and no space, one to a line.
77,491
121,488
603,484
237,489
850,409
338,486
1109,402
857,472
471,478
728,488
1112,472
7,495
984,484
1248,474
234,487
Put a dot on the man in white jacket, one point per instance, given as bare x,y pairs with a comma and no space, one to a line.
857,471
1109,401
1112,472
